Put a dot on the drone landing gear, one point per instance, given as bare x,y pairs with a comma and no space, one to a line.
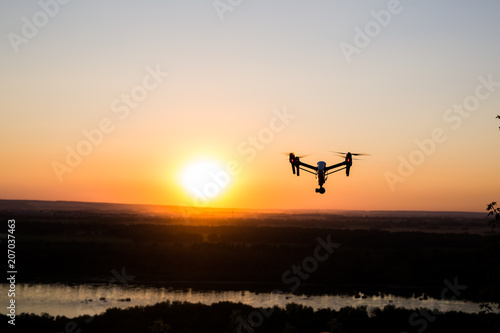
320,190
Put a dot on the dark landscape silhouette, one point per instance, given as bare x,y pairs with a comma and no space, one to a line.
400,253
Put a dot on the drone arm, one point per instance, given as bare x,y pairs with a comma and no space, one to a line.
338,165
335,171
308,166
314,173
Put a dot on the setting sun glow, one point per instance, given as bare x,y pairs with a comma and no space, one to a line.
204,180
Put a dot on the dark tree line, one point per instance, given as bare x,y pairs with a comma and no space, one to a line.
221,317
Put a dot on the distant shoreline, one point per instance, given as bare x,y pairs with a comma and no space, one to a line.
34,205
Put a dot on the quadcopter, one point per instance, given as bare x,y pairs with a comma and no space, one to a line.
321,171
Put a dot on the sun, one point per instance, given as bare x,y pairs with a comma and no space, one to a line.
204,179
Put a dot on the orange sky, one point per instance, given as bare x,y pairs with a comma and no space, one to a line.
159,89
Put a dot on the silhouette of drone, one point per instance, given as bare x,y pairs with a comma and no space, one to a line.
321,171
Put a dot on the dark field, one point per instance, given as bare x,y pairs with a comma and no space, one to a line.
254,253
249,257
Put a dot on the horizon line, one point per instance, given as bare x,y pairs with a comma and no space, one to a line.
284,210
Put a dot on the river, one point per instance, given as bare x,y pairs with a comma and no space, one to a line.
76,300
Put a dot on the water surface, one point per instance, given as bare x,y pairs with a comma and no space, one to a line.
72,301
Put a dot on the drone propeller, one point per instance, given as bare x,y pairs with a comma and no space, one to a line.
293,154
295,162
353,154
348,159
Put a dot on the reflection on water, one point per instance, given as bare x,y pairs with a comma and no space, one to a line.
72,301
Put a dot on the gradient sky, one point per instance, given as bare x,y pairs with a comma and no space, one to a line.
230,69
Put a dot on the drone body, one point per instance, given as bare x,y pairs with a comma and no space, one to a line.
321,171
